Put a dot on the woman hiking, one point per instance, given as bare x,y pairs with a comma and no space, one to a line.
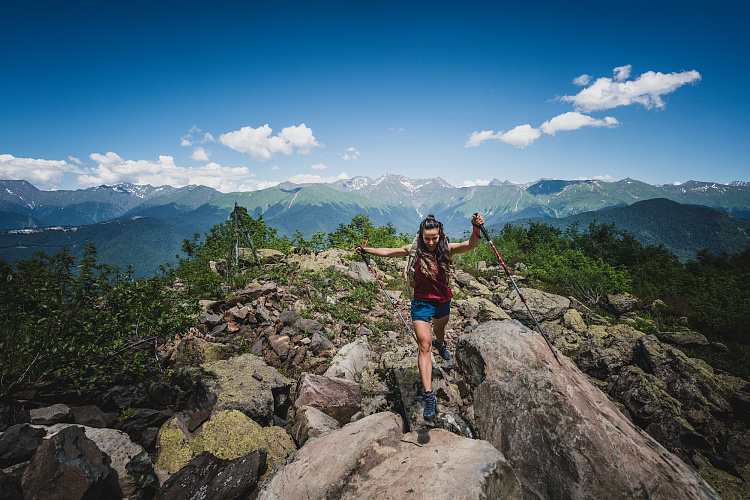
432,295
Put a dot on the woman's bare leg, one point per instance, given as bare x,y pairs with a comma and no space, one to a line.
438,325
424,336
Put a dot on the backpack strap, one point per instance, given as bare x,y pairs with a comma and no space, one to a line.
409,269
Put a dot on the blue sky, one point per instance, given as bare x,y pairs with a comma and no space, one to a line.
243,95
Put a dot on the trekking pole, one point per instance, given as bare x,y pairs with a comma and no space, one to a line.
382,287
523,299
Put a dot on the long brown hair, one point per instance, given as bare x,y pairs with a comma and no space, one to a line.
442,252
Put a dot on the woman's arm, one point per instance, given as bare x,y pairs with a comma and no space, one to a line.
386,252
473,241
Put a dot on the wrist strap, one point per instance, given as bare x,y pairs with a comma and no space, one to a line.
477,233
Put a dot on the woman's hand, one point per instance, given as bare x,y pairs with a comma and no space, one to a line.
477,220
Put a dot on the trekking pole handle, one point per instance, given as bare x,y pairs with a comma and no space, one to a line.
484,231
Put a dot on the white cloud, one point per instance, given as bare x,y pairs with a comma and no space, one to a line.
400,129
622,73
319,166
316,179
112,169
42,173
478,182
188,140
520,136
582,80
351,154
200,154
259,143
646,90
75,160
574,120
276,167
477,138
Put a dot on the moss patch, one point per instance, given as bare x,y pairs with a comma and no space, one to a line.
228,435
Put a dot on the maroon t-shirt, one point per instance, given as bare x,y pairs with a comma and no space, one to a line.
430,289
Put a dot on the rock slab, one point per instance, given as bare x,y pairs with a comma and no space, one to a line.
562,435
372,458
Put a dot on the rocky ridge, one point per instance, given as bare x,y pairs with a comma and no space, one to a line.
311,358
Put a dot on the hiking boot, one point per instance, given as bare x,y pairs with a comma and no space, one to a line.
442,349
429,405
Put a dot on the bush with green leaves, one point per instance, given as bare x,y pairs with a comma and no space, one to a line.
77,323
219,245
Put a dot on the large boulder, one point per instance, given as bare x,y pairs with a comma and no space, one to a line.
246,383
562,435
545,306
18,444
207,476
69,465
375,459
228,435
349,362
134,471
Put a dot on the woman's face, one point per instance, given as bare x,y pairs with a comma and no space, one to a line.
431,237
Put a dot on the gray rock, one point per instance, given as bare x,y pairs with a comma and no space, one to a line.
544,306
310,326
351,359
311,422
374,459
18,444
92,416
209,477
289,318
210,320
336,397
69,465
10,482
363,273
233,386
138,420
572,319
50,415
621,303
470,284
134,469
320,343
558,431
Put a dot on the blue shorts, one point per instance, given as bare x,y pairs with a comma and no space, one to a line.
423,311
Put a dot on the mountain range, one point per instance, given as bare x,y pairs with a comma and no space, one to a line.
144,225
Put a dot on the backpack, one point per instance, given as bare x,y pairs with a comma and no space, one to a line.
409,269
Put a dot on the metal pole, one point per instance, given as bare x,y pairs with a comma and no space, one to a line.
523,299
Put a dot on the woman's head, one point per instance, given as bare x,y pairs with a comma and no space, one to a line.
433,241
431,232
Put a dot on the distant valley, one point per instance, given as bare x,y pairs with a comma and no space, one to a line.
145,225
